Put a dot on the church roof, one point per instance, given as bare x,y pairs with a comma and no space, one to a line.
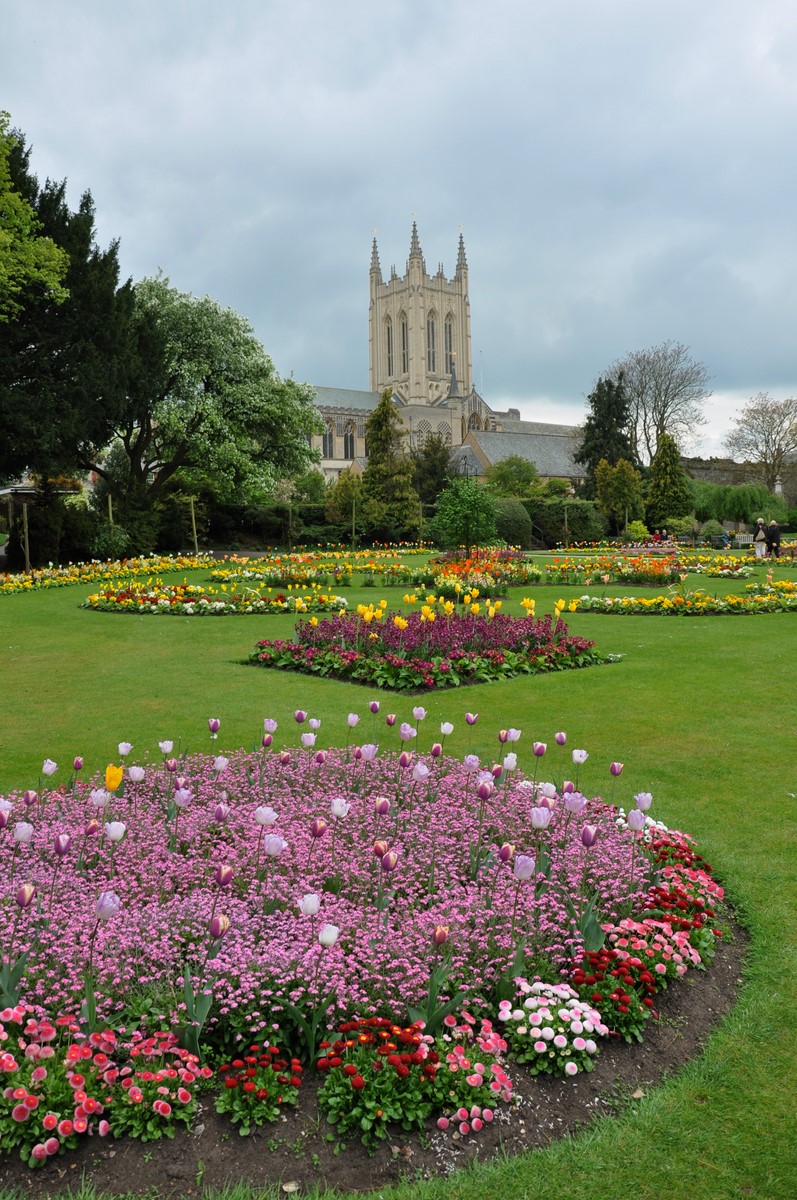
549,447
346,398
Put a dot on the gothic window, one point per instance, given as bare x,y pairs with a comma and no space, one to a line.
431,350
389,344
348,440
405,345
445,433
328,441
474,421
424,429
448,343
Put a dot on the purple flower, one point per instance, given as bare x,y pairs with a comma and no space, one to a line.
419,712
540,818
560,738
471,763
107,906
352,720
405,759
266,740
381,806
420,772
616,768
77,763
269,725
300,716
436,750
471,718
390,720
589,835
62,843
369,751
223,876
374,706
214,725
539,749
318,827
643,800
136,774
406,732
575,802
505,852
124,749
183,797
513,735
220,764
524,866
218,926
636,820
221,812
308,740
24,895
314,723
389,861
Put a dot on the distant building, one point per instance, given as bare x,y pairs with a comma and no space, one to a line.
419,343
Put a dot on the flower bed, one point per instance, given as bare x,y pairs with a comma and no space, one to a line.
423,650
643,569
191,600
173,911
691,604
46,578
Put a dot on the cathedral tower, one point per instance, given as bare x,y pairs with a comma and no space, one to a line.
419,330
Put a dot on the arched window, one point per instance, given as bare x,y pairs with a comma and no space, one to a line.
448,343
348,440
328,442
444,432
431,349
474,421
405,345
424,429
389,346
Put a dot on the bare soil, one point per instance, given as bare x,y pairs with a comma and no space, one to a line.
300,1150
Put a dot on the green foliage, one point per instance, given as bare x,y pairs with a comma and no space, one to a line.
738,502
390,506
710,529
430,468
669,494
466,514
29,261
619,491
513,523
585,522
637,531
63,366
605,433
514,476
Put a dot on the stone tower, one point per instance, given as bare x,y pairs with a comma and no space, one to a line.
419,330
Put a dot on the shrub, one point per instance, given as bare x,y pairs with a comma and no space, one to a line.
513,523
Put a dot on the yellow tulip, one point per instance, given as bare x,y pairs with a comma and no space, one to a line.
474,608
113,777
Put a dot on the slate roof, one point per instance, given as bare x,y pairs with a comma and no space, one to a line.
549,447
346,398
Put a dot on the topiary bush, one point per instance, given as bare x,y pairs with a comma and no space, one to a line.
513,523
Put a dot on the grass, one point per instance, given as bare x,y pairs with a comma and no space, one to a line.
701,711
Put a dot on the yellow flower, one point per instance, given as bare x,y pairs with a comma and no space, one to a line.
573,605
314,621
400,622
448,608
113,777
474,608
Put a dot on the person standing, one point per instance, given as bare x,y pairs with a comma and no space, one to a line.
760,539
773,539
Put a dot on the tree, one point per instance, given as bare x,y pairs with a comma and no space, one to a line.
390,503
619,491
205,399
605,433
665,389
765,436
514,476
431,469
466,514
63,364
29,260
669,493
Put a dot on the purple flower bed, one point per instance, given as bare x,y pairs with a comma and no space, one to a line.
393,847
412,653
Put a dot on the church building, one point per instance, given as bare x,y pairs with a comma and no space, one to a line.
419,341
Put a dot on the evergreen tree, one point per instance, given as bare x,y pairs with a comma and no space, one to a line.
63,365
431,470
390,503
605,431
669,494
619,492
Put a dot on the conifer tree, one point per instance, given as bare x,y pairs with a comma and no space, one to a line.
390,503
669,494
605,431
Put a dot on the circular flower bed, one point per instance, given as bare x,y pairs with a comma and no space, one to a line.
447,915
193,600
428,648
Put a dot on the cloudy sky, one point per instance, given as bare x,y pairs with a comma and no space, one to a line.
623,171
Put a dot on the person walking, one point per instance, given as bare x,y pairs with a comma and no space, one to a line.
773,539
760,539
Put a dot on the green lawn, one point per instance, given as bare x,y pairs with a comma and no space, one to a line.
703,714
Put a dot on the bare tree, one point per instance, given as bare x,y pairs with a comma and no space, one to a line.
765,436
666,389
